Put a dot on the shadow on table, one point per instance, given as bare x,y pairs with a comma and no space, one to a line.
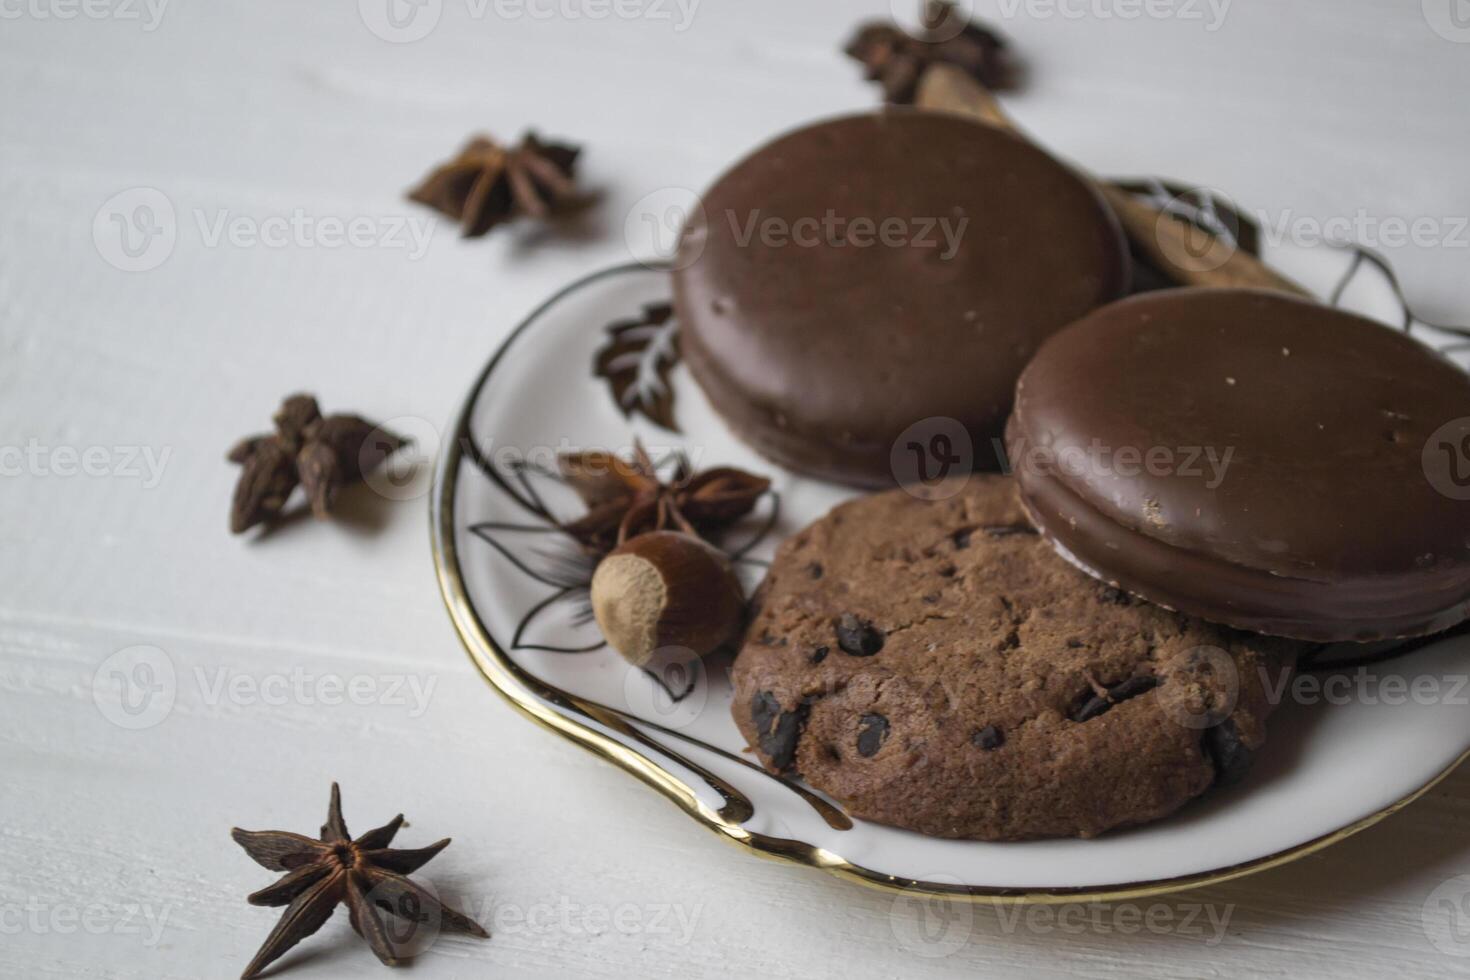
358,509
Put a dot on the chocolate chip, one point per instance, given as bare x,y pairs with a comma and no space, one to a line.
988,738
1116,596
764,709
961,538
777,730
815,570
820,654
874,733
1230,756
1074,644
858,637
1007,530
1091,708
1095,705
1012,640
1132,688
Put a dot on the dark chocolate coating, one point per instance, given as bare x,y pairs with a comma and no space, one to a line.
822,354
1325,522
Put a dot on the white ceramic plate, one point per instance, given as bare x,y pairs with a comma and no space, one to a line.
1329,768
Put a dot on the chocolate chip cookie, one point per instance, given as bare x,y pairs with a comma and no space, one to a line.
934,665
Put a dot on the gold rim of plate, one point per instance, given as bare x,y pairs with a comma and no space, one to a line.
525,693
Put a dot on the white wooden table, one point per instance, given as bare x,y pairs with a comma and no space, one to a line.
267,132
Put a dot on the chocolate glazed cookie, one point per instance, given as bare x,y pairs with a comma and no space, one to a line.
935,666
868,273
1255,460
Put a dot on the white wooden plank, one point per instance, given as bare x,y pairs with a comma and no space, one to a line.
258,109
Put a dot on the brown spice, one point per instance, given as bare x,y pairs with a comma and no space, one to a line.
365,874
627,498
896,59
321,454
487,184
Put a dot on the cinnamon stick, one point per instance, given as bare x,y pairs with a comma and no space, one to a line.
1189,254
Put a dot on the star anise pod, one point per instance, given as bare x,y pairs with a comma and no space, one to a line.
488,183
626,498
320,454
364,874
896,59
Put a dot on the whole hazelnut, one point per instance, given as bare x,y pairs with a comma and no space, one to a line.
666,596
